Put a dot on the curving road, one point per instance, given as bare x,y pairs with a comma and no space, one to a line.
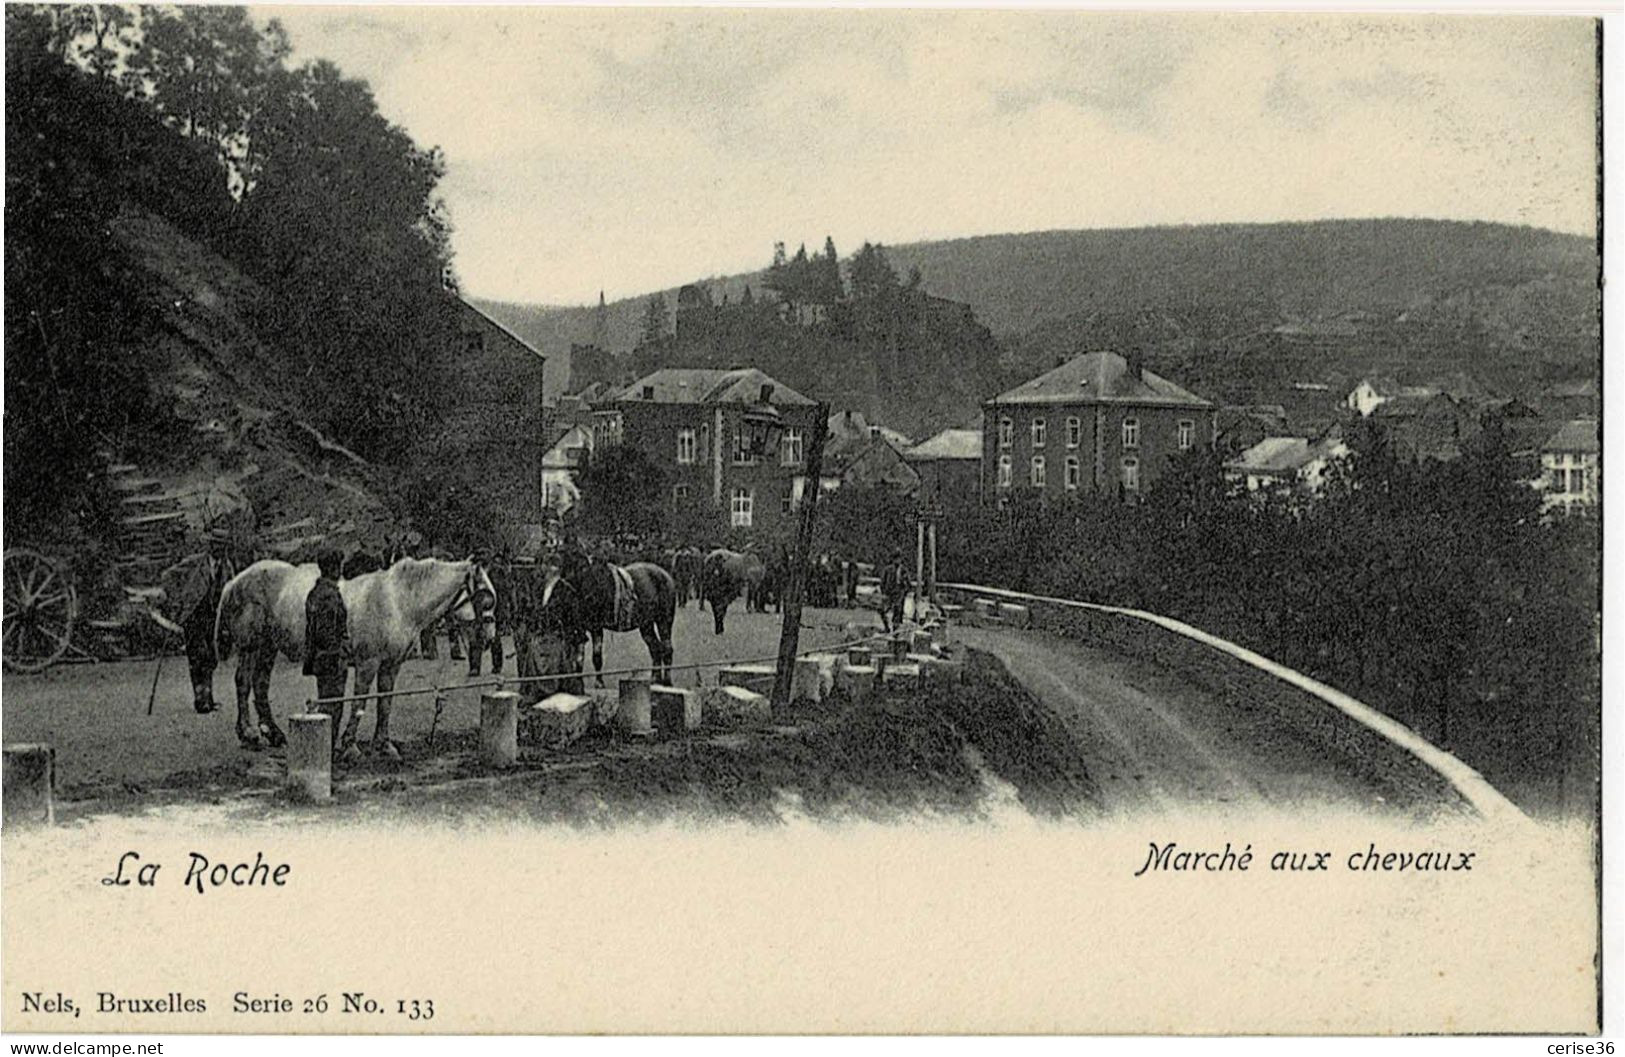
1200,728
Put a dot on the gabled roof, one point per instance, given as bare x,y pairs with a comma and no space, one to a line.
1283,455
1407,405
527,346
1100,378
698,385
853,424
1576,435
558,454
949,444
848,459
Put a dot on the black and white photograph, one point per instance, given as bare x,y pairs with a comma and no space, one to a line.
520,520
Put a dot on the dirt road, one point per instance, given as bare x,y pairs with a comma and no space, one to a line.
1199,728
96,714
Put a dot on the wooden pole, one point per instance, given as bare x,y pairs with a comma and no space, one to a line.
790,634
152,698
919,567
931,541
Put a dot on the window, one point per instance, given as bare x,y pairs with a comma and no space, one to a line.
1074,432
1131,475
679,493
1007,433
1187,434
1131,433
743,456
740,508
1004,471
787,502
1040,427
1038,471
1074,473
705,442
685,446
790,448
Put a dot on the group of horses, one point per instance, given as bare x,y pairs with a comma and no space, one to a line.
259,613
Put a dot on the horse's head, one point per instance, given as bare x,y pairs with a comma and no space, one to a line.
573,562
478,595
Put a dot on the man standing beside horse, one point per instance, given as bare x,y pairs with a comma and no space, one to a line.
549,631
327,639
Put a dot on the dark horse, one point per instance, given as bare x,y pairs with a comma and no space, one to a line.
640,596
727,575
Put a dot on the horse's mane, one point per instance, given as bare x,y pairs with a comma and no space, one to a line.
414,572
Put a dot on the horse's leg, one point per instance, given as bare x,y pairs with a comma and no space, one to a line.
247,734
663,627
380,727
657,653
598,654
363,684
262,697
719,609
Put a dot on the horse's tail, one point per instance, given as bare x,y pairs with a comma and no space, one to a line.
665,602
231,603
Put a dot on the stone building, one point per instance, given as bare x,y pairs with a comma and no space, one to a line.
949,466
1099,423
497,431
690,423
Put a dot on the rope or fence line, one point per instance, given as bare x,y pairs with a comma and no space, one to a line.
1473,787
503,681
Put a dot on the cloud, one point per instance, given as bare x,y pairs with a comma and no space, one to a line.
640,148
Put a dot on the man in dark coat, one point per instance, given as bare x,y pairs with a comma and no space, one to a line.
549,631
491,616
894,585
327,638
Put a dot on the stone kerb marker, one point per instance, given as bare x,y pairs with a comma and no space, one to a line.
499,728
310,755
634,715
29,785
807,680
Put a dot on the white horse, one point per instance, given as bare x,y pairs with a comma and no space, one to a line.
262,613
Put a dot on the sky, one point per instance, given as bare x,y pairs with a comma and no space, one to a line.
630,150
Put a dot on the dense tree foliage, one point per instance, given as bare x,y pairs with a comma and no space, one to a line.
623,495
76,152
196,114
1434,591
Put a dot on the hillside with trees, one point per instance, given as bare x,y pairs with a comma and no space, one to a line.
1239,311
215,260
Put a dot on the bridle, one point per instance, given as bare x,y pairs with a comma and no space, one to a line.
469,591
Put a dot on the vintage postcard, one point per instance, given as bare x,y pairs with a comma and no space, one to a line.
654,520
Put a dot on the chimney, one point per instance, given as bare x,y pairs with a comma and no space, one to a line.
648,392
1136,365
767,392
